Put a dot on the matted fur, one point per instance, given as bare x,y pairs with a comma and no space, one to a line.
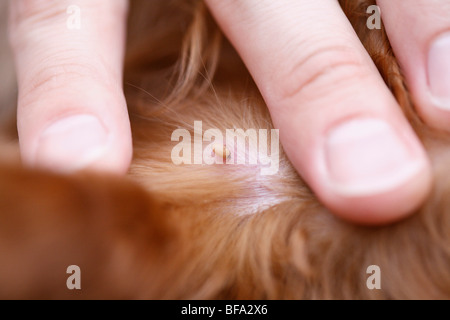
212,232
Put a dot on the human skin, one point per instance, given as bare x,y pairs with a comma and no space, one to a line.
339,124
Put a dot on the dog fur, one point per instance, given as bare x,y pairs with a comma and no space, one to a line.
211,231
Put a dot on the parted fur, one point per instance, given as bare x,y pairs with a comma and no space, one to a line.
212,231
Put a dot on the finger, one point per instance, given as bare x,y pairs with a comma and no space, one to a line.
339,124
419,31
71,108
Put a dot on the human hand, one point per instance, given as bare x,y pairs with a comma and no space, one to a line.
71,110
339,124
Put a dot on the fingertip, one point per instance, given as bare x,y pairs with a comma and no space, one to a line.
433,95
423,54
71,111
80,142
386,206
373,173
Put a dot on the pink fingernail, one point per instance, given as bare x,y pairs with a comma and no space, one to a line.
72,143
367,157
439,71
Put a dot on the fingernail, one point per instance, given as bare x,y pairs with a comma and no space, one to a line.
439,70
367,157
72,143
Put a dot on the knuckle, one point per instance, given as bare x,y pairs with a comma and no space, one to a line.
324,69
28,17
33,9
56,76
29,11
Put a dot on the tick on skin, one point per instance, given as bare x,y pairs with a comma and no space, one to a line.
221,151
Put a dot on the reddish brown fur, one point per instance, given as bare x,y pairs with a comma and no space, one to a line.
196,231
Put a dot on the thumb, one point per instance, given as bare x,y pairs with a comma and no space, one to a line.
71,108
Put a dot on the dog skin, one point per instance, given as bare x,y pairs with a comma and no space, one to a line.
217,231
